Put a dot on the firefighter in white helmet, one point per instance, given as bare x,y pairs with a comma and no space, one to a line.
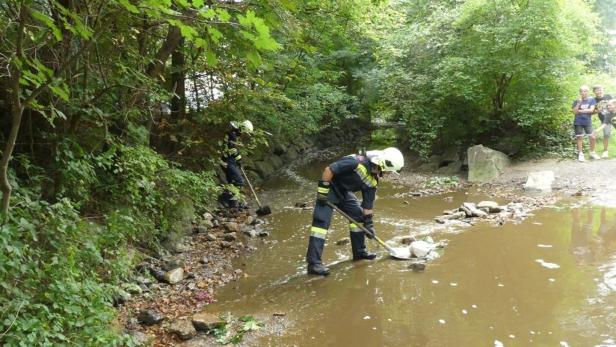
338,183
231,161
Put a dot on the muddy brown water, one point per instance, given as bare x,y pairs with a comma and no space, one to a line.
547,281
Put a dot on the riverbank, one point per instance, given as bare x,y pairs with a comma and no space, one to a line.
214,256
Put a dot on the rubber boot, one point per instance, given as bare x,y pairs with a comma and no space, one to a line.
358,245
313,257
318,269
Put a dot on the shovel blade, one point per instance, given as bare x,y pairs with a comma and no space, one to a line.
264,211
402,253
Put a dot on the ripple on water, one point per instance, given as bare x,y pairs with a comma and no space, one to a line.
608,285
547,264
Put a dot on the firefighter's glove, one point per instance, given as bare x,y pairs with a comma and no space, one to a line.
322,192
369,224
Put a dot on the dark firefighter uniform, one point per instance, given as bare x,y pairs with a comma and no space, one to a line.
351,174
230,162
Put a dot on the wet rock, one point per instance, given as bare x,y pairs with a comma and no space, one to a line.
172,263
143,280
200,229
174,276
120,297
183,328
451,216
250,232
158,274
263,168
440,220
540,181
291,154
230,237
206,321
487,204
279,314
245,228
232,227
451,168
417,266
141,339
132,288
343,241
416,194
149,317
263,233
485,164
420,248
250,219
191,286
204,260
301,204
276,162
469,207
208,216
407,240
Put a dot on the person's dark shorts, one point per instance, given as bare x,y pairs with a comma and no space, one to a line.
583,130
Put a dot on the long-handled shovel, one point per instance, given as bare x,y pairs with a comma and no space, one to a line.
263,210
398,252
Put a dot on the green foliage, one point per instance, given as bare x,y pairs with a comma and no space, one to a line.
233,330
51,291
443,181
480,71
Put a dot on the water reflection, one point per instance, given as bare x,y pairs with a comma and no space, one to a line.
548,281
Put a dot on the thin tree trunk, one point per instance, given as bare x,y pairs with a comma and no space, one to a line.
17,111
178,81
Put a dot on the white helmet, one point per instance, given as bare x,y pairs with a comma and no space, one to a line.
389,159
245,126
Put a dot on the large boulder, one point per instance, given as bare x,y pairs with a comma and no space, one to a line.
183,328
206,321
174,276
451,168
485,164
540,181
263,168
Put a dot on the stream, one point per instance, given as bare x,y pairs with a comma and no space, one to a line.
549,280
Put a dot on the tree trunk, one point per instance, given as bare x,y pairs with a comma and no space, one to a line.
17,112
178,81
174,35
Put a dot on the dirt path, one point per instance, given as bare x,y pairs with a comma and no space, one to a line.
594,178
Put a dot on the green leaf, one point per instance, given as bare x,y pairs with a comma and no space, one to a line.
211,58
208,14
48,22
215,34
201,43
254,58
127,5
198,3
61,91
223,15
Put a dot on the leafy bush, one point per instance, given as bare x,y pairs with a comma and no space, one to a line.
51,288
58,271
